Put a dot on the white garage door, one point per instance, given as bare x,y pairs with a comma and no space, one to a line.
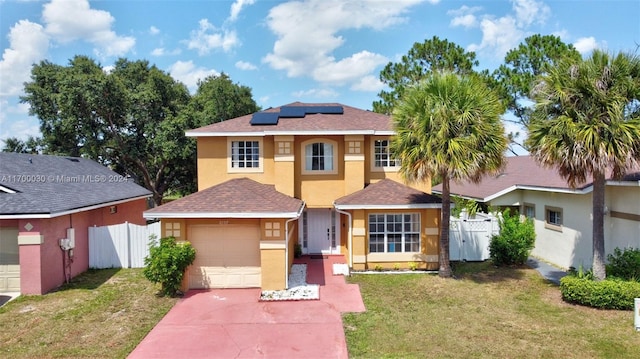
226,256
9,260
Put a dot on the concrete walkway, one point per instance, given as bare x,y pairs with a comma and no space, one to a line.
549,272
233,323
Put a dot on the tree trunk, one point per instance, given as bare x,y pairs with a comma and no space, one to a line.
443,259
598,226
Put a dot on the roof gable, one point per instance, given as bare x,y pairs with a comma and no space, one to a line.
46,185
236,198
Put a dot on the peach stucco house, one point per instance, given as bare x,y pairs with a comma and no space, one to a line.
317,176
44,199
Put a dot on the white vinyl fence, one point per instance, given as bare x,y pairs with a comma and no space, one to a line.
120,246
469,238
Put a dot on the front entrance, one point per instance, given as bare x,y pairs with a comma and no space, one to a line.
320,231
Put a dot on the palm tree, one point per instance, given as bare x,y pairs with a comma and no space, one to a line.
448,126
586,122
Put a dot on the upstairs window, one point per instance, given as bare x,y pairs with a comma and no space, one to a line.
244,155
382,157
320,157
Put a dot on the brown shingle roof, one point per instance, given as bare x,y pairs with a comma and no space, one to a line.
520,171
388,193
352,120
236,198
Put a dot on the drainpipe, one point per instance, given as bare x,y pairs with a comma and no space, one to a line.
349,236
286,245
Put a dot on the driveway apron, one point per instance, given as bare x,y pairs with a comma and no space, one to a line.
233,323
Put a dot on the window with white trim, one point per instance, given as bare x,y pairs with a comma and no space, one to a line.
320,157
382,155
394,232
245,154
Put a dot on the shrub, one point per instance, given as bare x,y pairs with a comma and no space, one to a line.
166,264
607,294
624,264
515,241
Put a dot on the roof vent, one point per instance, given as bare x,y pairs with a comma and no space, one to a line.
72,159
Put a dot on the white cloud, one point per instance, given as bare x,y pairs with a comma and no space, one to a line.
237,6
247,66
16,122
154,30
308,34
208,38
28,44
368,83
498,36
464,16
501,34
322,93
161,51
585,45
70,20
189,74
530,11
348,69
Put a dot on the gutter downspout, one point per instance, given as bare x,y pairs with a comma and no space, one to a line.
286,244
349,236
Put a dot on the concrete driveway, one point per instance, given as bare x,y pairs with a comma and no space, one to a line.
233,323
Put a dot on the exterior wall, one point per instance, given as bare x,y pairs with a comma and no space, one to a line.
373,174
622,225
271,260
213,157
283,162
41,259
429,242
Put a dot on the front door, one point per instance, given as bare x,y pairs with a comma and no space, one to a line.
321,232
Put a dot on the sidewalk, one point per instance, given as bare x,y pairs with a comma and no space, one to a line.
549,272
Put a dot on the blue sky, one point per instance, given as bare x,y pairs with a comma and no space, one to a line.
286,51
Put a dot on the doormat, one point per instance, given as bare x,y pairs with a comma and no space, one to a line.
318,256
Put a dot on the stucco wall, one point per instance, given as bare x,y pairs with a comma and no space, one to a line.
41,265
285,169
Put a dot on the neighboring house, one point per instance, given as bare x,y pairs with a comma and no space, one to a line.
562,215
45,199
315,175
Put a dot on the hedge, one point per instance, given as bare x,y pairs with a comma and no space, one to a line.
606,294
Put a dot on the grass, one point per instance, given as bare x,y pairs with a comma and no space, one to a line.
100,314
486,312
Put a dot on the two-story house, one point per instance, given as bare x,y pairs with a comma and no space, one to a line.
317,176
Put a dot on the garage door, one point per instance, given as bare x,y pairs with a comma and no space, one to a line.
226,257
9,260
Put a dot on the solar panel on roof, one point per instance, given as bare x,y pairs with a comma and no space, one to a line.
293,111
329,110
264,118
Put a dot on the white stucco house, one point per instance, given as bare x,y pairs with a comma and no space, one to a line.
562,214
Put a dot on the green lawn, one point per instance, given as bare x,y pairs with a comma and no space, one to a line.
485,313
101,314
